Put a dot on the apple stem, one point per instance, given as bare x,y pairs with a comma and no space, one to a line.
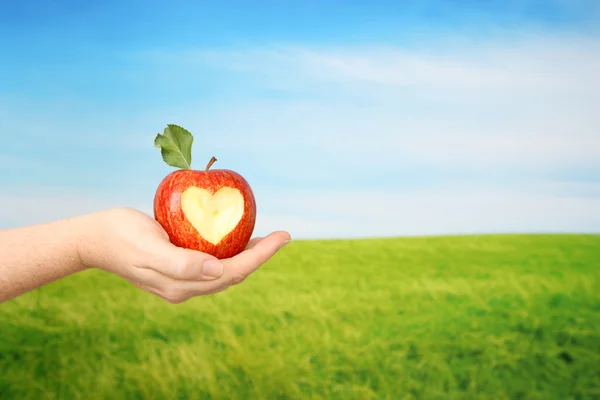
210,163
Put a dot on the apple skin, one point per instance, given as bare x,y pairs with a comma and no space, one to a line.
169,214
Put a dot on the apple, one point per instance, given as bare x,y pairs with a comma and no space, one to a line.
210,210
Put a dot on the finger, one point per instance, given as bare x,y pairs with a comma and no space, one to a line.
177,291
242,265
147,288
253,242
180,263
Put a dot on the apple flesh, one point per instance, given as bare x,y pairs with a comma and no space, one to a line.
213,211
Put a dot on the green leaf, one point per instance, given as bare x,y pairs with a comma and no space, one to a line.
175,146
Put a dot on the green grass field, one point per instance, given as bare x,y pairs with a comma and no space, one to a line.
479,317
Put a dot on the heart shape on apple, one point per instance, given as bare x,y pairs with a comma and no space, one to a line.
213,215
211,210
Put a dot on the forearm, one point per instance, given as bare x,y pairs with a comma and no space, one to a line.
33,256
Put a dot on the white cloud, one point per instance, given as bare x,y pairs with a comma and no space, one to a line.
514,102
354,213
526,107
467,209
526,103
509,62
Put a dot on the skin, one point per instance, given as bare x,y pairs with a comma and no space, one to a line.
128,243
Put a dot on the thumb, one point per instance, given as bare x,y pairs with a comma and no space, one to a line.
183,264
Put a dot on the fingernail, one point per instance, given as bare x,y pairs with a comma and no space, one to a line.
212,268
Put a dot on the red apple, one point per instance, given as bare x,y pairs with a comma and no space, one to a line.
213,211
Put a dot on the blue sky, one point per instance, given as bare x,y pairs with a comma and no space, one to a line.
349,119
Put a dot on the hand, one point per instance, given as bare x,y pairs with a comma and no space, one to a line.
134,246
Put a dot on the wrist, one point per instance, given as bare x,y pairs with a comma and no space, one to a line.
95,238
82,232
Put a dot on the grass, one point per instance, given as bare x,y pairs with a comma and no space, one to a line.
479,317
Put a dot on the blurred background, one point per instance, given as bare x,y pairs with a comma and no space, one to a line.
437,163
349,119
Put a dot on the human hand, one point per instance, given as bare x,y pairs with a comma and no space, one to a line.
134,246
